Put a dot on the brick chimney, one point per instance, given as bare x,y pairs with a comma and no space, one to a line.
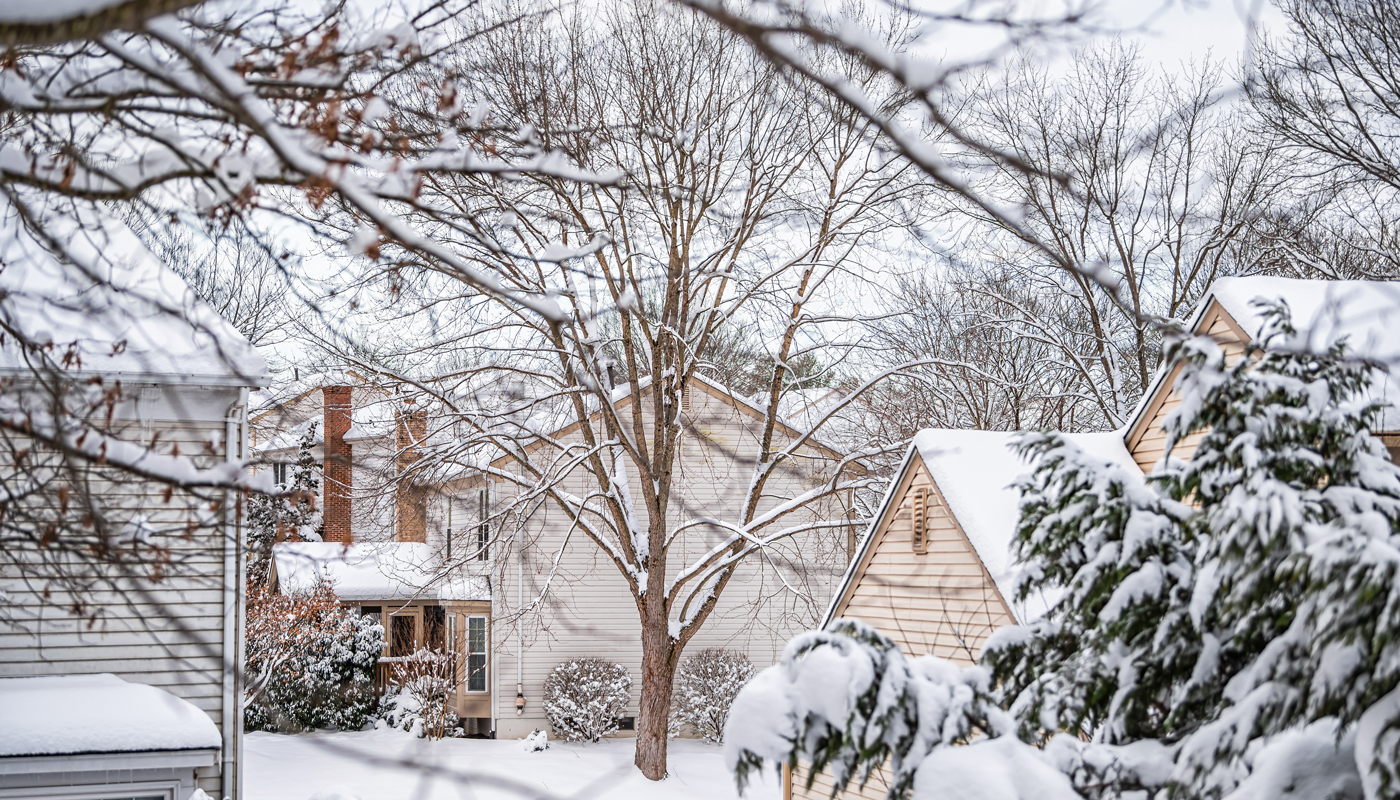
412,517
338,477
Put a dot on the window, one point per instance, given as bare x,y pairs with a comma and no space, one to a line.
279,474
483,529
476,654
401,635
117,790
371,611
434,627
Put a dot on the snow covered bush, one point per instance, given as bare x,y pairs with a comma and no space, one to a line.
706,685
584,698
1228,627
846,699
535,742
423,683
309,662
289,515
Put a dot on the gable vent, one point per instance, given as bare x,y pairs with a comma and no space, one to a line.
919,535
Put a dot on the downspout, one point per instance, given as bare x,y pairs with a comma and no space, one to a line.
235,446
493,675
520,621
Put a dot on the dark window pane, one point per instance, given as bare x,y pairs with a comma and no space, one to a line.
400,636
483,531
476,672
371,611
434,625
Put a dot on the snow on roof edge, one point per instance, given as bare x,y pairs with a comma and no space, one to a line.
56,715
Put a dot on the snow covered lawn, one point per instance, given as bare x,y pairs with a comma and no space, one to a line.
279,767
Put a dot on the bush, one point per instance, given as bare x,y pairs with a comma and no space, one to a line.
706,685
310,662
585,697
419,703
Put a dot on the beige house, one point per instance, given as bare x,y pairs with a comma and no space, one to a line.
507,583
934,570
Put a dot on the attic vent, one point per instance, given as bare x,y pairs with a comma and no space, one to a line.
919,535
685,399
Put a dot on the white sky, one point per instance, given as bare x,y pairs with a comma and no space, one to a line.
1170,32
1174,33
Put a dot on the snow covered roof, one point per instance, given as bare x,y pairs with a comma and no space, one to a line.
121,308
1366,313
71,714
974,471
374,571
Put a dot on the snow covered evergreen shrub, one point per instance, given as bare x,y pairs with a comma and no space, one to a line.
706,685
1227,628
291,515
309,661
584,698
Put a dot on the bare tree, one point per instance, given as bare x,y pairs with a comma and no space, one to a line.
241,110
1156,194
748,213
236,271
1141,180
1326,92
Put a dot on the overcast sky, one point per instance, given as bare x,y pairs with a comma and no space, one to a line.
1176,32
1170,32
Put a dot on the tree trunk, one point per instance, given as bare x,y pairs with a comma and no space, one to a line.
659,652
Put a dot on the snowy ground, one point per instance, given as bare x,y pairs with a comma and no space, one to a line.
341,766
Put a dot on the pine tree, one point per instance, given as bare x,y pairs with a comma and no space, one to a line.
288,515
1232,618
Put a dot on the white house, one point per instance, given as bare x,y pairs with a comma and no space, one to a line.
465,565
119,571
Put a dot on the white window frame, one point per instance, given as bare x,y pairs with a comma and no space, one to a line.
485,653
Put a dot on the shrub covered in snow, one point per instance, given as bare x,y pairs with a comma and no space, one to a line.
537,740
422,687
584,698
1229,628
309,661
706,685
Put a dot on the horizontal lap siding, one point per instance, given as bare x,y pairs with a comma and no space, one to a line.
822,786
941,602
166,633
1151,442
